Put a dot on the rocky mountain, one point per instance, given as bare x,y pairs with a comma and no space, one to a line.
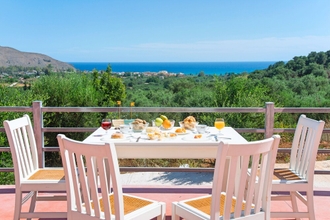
12,57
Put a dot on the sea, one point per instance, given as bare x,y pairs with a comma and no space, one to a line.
187,68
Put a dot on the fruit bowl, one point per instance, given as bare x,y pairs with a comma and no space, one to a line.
168,124
188,125
156,124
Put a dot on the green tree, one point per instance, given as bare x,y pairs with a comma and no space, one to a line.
153,79
241,91
201,74
66,90
112,87
11,96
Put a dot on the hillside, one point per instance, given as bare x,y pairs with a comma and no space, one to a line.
12,57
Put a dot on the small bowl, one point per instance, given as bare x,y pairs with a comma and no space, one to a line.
188,125
128,121
169,128
139,127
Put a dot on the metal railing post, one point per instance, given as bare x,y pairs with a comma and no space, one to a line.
269,119
37,128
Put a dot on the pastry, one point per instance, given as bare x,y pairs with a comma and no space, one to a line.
189,119
180,130
117,136
198,136
172,135
152,129
189,123
155,135
139,124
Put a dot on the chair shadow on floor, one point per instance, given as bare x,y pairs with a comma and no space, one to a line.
185,178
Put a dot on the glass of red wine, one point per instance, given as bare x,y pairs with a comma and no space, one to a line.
106,124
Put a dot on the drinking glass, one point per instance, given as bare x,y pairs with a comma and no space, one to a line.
106,124
219,124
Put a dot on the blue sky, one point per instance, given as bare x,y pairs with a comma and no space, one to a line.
166,31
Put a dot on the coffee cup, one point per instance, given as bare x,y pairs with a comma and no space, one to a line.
201,128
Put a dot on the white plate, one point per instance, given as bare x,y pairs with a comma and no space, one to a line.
134,135
191,138
143,139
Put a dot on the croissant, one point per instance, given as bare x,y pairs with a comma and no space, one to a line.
189,119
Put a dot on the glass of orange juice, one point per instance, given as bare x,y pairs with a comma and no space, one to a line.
219,124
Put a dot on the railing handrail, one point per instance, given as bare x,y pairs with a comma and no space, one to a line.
269,111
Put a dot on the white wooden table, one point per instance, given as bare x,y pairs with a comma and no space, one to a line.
181,147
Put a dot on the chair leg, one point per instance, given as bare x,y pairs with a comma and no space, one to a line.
33,202
294,203
310,204
174,216
163,215
18,204
308,200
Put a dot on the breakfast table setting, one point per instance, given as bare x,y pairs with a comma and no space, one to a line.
160,141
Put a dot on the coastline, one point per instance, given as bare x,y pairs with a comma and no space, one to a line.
187,68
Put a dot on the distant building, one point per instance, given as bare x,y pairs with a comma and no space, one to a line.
163,72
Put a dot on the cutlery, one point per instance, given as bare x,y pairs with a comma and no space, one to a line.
137,140
225,138
216,137
98,135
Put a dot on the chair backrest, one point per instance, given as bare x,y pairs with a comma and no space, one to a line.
304,148
248,178
86,167
23,147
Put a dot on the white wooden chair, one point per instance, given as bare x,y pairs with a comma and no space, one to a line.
240,197
28,176
85,166
299,177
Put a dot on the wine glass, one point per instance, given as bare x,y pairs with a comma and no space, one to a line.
106,124
219,124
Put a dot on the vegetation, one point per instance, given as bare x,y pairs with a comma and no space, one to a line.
300,82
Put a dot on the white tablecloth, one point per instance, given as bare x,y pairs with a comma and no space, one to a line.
181,147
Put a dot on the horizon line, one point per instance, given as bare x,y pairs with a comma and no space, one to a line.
172,61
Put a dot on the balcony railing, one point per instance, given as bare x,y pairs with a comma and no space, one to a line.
268,110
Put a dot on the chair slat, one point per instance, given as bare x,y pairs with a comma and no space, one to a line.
241,188
101,165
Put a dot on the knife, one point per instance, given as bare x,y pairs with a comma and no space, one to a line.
137,140
225,138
